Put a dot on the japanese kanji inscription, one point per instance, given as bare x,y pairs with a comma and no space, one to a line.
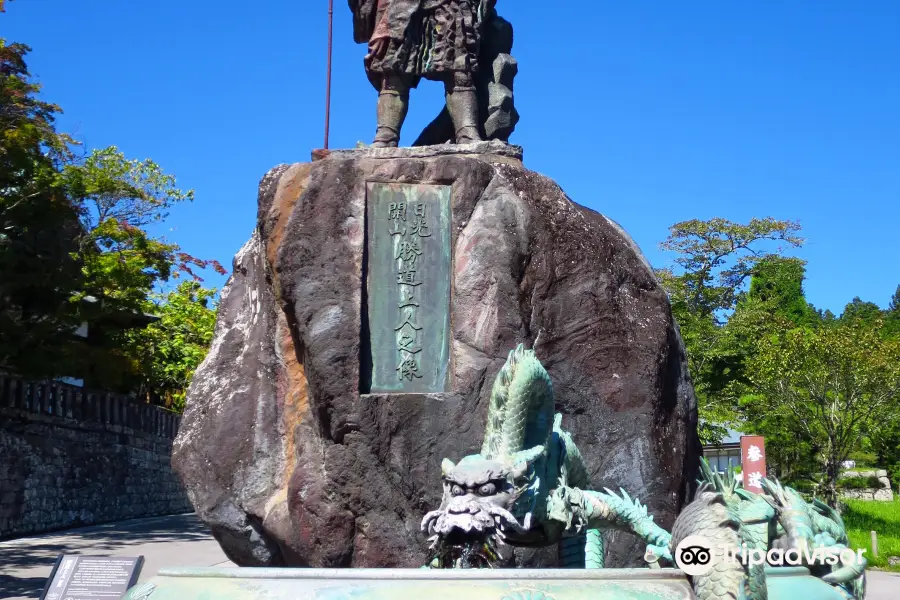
408,287
753,461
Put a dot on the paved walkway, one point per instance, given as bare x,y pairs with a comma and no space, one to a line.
882,585
181,540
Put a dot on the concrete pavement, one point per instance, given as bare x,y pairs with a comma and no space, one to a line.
180,540
881,585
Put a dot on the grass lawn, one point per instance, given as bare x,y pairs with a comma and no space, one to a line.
863,516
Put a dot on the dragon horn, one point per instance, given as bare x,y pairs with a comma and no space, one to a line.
706,472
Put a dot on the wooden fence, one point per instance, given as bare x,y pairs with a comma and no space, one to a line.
72,402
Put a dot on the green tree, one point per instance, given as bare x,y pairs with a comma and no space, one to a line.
865,312
826,316
774,303
121,263
777,283
831,384
892,318
38,224
717,256
714,260
790,452
72,229
884,440
117,199
168,351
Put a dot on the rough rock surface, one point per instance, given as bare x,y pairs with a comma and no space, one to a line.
879,495
290,465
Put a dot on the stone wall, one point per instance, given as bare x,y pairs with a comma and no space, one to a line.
69,457
881,494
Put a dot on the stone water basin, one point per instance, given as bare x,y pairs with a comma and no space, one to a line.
786,583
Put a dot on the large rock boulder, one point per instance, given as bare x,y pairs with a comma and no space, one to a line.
289,464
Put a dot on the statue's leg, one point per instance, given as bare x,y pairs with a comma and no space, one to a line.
463,106
393,102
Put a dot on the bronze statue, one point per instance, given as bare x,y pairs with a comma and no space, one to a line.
439,40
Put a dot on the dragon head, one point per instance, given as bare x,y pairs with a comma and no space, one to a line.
490,498
478,511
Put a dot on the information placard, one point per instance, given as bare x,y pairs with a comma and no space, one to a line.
76,577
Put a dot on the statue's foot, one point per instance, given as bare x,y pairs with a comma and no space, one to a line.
385,137
468,135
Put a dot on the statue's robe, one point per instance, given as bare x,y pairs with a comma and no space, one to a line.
425,38
363,19
368,14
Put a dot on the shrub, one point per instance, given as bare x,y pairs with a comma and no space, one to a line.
860,483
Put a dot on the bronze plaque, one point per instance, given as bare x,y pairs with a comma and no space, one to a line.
408,287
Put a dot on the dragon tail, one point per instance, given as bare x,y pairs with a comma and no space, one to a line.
582,551
593,550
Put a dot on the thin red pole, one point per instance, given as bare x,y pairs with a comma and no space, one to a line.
328,83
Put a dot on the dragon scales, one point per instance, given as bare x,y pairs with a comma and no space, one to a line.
529,487
781,520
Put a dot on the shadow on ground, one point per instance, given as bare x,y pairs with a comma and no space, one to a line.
114,539
30,587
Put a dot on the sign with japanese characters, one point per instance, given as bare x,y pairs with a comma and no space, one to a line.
408,287
753,461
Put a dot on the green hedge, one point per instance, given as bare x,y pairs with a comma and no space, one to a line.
859,483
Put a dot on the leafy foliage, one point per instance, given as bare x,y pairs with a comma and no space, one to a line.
764,360
117,197
863,312
110,186
38,224
777,285
884,439
74,246
714,260
830,384
859,483
717,256
170,349
892,316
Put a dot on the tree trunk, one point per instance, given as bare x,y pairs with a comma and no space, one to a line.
832,471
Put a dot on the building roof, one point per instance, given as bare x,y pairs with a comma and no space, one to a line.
732,438
126,318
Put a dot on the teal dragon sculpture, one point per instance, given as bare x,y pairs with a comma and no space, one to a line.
529,487
751,525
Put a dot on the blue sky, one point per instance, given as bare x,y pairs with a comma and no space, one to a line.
650,112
